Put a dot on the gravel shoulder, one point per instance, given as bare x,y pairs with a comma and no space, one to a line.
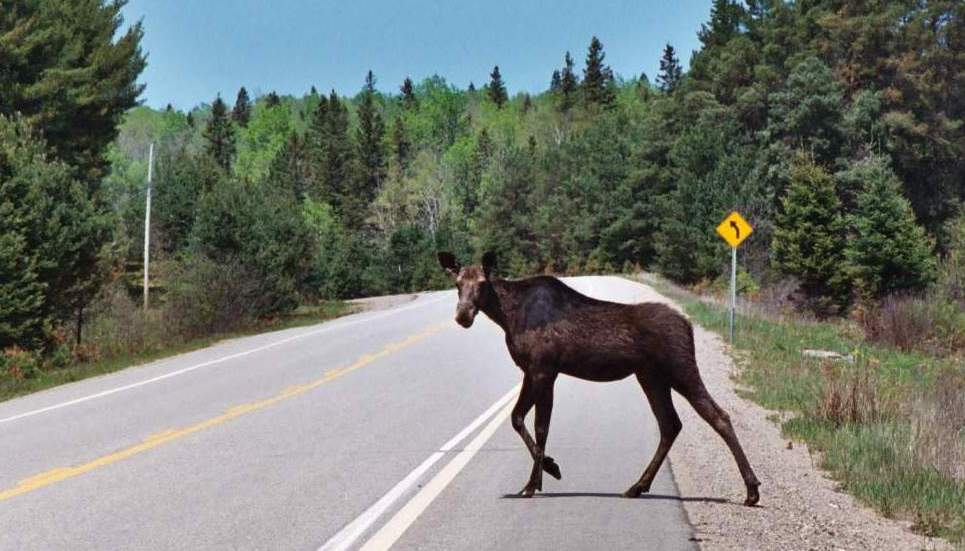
800,506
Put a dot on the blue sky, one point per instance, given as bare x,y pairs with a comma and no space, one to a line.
198,48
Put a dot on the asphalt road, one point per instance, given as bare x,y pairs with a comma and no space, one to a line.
386,428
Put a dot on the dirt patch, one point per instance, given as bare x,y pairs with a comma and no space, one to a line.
800,507
370,304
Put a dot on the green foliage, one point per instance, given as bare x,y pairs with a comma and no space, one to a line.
369,136
262,233
671,72
810,235
496,89
220,135
65,73
807,114
258,143
889,252
597,77
53,231
241,113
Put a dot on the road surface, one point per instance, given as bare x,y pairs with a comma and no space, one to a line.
386,428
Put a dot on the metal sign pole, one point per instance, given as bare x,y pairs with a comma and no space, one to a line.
147,221
733,290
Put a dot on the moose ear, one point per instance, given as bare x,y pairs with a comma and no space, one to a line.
449,263
488,263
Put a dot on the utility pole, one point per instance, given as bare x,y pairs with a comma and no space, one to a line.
147,222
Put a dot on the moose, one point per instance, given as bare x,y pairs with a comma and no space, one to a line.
551,329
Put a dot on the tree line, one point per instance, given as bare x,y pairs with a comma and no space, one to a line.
834,127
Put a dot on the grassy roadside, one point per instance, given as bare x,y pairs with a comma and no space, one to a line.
890,427
43,378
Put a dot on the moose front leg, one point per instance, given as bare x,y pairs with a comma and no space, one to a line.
542,396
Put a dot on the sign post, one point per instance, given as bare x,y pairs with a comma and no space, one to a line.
734,229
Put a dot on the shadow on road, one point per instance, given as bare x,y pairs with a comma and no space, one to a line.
620,496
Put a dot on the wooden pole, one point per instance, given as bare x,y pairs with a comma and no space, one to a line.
147,223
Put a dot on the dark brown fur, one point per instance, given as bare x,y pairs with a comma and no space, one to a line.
552,329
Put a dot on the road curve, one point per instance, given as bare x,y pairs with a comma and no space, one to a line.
381,429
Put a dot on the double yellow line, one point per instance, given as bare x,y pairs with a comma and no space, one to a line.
60,474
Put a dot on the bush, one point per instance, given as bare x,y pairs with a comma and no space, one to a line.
927,323
256,234
207,296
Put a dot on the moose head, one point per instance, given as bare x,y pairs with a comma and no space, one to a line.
473,284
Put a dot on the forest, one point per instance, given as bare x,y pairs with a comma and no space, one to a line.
835,128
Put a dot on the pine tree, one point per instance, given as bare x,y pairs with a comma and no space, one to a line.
725,17
809,237
241,113
569,84
527,103
597,77
497,90
272,99
555,82
190,119
472,87
313,92
69,69
670,71
409,100
369,135
339,159
220,135
400,144
888,252
51,232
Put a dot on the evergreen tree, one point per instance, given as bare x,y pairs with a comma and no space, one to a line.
242,110
220,135
670,71
369,136
51,230
497,90
65,73
339,161
888,251
313,91
472,87
272,99
808,113
597,77
725,18
190,119
409,100
569,84
809,237
555,82
400,144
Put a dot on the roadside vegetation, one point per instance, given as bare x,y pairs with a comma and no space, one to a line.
888,420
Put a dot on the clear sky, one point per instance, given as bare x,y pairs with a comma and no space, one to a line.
199,48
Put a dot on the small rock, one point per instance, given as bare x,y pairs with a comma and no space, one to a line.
790,445
828,355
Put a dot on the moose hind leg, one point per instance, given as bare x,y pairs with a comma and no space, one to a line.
658,394
717,418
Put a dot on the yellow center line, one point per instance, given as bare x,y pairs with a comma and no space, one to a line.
60,474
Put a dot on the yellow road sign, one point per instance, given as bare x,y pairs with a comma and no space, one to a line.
734,229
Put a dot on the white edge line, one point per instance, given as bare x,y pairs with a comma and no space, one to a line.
325,329
348,535
390,533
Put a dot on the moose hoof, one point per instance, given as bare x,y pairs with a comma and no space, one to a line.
635,491
753,496
552,468
527,491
